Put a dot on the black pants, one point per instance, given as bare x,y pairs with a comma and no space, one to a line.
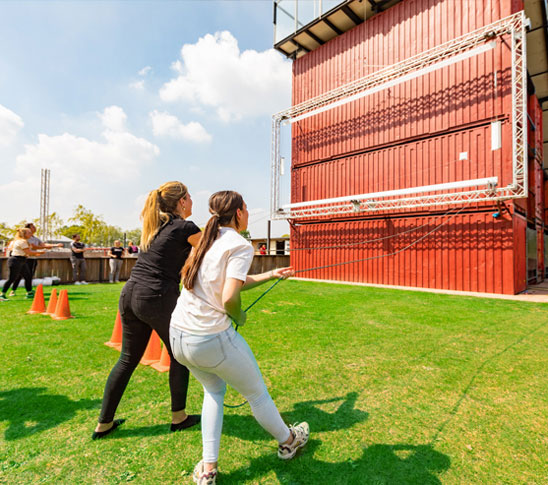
143,310
18,267
31,265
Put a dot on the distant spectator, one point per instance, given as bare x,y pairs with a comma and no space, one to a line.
17,262
115,254
34,243
77,259
262,249
132,249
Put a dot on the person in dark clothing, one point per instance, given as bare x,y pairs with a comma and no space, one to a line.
148,299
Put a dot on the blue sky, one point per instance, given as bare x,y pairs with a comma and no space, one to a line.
117,97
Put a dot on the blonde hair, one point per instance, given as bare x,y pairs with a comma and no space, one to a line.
159,207
20,232
222,206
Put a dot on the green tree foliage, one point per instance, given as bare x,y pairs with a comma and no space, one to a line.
245,234
92,228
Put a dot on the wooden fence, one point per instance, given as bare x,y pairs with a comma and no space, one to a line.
97,266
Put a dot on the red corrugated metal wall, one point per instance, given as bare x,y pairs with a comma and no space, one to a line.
408,136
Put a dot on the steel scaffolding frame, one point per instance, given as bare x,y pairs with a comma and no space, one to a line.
44,203
445,54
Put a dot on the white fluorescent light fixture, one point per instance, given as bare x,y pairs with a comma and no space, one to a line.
488,181
406,77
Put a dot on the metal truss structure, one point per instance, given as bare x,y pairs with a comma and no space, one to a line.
44,204
458,49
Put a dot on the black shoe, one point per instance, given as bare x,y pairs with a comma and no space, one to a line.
190,420
100,434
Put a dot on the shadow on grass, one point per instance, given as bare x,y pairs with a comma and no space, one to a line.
143,431
30,410
245,427
397,464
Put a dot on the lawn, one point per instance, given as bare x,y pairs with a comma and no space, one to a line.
398,387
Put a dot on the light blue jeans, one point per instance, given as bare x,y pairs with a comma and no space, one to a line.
216,360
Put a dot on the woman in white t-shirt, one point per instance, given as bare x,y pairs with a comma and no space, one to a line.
20,250
204,340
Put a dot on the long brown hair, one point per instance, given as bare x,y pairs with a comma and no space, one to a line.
222,206
159,206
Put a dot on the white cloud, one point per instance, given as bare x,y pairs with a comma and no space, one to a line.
164,124
83,170
10,124
215,73
114,118
145,71
138,85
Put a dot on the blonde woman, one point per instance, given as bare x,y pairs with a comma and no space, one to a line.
203,339
17,262
149,297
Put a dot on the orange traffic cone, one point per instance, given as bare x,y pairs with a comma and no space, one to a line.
116,338
62,310
165,361
38,304
52,304
153,350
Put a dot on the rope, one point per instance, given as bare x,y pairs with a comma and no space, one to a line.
370,240
233,406
341,264
383,255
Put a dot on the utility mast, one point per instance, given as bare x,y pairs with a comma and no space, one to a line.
44,204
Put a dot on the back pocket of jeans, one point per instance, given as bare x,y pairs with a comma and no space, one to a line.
206,354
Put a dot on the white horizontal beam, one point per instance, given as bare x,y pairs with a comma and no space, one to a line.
406,77
488,181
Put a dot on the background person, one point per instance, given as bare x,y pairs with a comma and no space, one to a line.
203,339
115,254
132,248
34,243
149,297
17,262
78,261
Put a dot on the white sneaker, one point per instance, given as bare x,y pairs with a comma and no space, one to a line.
84,283
77,283
300,434
201,477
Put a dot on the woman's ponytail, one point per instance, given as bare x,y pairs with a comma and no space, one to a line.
160,205
223,206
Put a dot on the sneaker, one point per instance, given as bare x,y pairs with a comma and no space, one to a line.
300,434
201,477
84,283
3,297
77,283
12,293
30,294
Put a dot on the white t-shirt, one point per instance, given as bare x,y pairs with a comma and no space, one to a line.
18,247
200,311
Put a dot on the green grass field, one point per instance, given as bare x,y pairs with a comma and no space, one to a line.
398,388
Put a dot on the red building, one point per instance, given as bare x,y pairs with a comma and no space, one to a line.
413,126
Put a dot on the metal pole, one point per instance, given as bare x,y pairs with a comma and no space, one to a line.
268,227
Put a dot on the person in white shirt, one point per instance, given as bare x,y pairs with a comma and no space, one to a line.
20,251
203,339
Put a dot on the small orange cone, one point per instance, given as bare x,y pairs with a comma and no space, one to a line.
165,361
52,303
62,310
116,338
38,304
153,350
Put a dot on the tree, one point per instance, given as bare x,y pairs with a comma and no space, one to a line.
245,233
92,225
134,235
